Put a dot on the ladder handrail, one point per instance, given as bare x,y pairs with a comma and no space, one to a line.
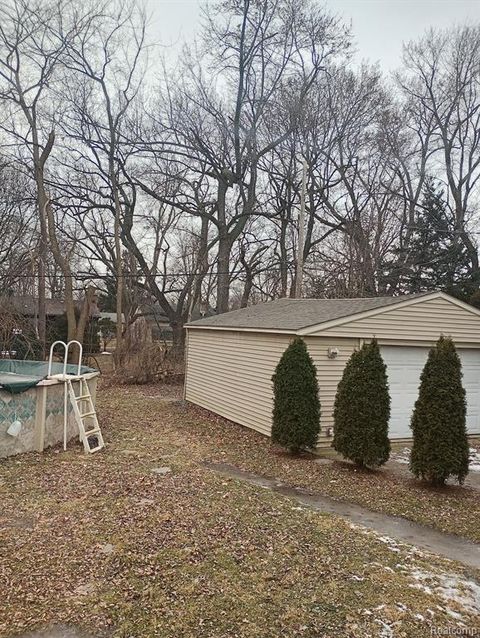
50,358
80,356
66,346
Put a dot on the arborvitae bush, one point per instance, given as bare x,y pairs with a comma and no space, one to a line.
296,408
362,409
440,445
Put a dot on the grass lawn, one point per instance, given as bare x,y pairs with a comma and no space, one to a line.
107,544
454,509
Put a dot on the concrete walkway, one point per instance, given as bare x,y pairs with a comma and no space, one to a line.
446,545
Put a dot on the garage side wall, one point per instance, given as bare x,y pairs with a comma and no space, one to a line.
229,373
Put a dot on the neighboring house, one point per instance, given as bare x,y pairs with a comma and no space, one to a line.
159,323
110,315
231,357
27,306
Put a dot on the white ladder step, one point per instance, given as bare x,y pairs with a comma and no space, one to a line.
96,449
95,430
92,432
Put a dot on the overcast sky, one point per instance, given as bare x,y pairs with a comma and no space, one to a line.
379,26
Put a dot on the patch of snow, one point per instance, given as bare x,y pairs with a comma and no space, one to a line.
474,465
417,553
424,588
453,614
403,456
390,543
386,631
450,588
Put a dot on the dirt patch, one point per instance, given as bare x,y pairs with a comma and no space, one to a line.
17,522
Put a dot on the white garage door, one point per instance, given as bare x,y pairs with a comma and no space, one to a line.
404,366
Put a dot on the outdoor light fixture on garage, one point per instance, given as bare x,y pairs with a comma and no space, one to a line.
333,353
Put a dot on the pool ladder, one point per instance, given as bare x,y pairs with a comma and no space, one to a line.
82,404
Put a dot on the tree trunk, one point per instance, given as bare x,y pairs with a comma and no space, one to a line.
247,289
64,266
283,258
224,249
85,313
202,267
223,277
178,335
42,201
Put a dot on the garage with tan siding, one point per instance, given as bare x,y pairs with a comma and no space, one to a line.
230,358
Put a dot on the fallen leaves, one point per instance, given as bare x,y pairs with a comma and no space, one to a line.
117,548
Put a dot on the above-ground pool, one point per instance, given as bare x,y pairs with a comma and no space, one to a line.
27,395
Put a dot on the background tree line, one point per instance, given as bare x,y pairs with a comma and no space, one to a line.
178,184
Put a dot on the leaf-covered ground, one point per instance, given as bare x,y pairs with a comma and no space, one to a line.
454,509
142,540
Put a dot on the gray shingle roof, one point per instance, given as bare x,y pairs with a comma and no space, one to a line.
295,314
28,305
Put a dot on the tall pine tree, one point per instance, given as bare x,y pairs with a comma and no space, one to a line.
440,445
296,408
362,409
437,258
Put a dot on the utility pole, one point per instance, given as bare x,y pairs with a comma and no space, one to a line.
301,233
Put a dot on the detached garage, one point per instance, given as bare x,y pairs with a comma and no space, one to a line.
231,357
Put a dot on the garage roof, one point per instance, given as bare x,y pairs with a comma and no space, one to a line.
296,314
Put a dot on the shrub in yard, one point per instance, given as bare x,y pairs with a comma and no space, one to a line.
296,408
362,409
440,445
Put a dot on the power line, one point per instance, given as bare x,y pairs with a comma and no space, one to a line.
86,276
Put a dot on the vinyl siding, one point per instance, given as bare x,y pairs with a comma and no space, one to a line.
423,321
229,373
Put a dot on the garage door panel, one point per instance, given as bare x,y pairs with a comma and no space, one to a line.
404,367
